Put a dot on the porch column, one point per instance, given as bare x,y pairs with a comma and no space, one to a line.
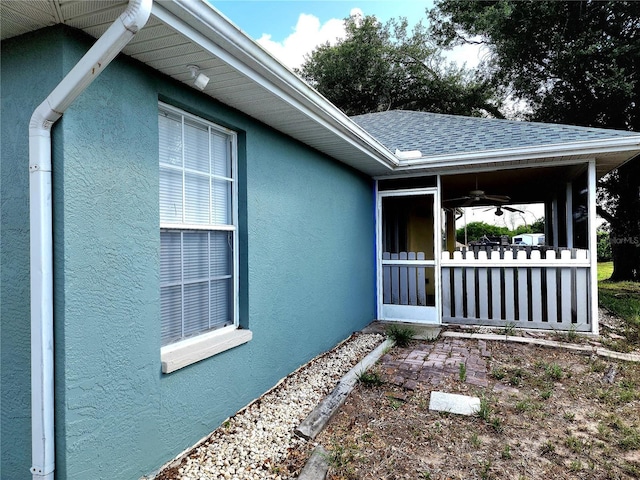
593,257
450,221
569,214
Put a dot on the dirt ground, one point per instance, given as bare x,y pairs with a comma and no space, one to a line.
545,414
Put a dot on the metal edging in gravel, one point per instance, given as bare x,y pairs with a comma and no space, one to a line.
318,418
602,352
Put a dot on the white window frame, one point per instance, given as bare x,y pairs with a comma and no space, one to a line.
200,346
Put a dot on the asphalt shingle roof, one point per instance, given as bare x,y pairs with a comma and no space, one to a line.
438,134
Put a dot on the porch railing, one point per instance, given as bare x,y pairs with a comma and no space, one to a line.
526,287
407,284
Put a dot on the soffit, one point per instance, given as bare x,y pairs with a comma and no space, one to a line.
245,77
301,114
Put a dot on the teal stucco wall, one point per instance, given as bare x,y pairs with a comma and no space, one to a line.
306,269
30,67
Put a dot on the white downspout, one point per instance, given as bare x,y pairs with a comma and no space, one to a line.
45,115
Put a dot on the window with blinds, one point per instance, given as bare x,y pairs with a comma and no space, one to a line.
197,225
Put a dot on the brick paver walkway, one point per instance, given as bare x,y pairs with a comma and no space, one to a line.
430,363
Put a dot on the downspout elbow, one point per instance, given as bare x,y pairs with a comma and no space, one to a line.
136,15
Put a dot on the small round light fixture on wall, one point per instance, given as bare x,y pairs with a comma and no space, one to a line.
200,80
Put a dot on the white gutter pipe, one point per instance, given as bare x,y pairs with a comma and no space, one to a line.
45,115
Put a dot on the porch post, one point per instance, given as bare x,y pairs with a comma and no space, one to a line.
378,245
450,222
593,257
569,214
554,220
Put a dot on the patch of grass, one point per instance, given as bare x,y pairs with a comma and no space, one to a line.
575,466
496,424
341,459
370,378
572,333
627,394
574,444
604,432
462,374
498,373
546,394
630,439
515,376
554,371
605,270
547,448
485,470
506,452
475,440
623,300
524,405
401,335
508,329
569,416
632,470
485,411
597,366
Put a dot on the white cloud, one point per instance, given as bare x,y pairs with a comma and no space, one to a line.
469,55
307,35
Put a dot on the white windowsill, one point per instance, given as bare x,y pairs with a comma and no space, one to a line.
192,350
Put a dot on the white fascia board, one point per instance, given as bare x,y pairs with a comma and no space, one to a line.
590,148
205,26
481,167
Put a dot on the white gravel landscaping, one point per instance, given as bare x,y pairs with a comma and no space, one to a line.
252,443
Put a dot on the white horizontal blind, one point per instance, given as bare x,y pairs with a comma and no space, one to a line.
198,231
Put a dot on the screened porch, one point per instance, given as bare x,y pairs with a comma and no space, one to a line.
547,285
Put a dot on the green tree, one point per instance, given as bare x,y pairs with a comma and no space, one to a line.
476,230
604,245
380,67
574,62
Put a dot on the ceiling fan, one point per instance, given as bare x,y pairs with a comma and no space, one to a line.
499,211
478,196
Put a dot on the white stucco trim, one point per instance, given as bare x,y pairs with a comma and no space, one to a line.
187,352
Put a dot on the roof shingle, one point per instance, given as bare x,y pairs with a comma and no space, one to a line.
438,134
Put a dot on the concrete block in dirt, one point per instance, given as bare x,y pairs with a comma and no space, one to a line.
317,466
454,403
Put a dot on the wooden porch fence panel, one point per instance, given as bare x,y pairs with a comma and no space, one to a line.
404,284
529,288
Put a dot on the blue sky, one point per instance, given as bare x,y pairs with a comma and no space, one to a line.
278,18
290,29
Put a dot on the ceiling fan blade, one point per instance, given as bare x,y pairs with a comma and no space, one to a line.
456,199
497,198
469,202
511,209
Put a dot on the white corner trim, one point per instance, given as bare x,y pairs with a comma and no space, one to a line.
192,350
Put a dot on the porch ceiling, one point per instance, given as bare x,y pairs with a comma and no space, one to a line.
523,185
